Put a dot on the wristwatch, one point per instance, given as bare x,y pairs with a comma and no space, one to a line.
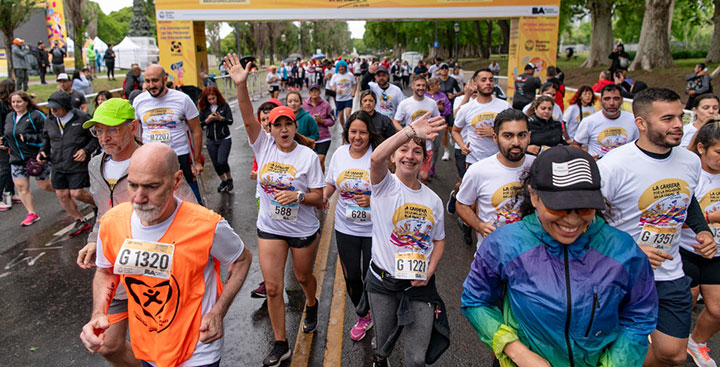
300,196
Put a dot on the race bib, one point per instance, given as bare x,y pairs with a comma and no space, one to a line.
659,237
152,259
357,213
284,212
160,135
411,266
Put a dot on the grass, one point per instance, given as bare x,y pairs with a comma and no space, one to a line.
43,91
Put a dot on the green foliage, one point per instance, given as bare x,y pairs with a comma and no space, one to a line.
110,30
681,54
14,13
359,46
627,20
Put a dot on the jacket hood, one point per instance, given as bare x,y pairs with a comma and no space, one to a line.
300,114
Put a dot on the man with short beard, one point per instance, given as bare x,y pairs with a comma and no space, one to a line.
607,129
164,252
115,127
650,185
165,114
388,95
494,181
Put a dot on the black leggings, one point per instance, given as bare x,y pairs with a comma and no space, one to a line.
6,183
110,65
219,151
354,254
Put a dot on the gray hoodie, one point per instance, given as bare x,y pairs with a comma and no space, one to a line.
18,57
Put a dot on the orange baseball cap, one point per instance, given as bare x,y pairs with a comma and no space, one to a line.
18,41
280,111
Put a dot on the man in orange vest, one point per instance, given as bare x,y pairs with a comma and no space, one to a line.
165,251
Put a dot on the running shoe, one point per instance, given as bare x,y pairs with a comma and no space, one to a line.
4,207
30,219
16,199
259,292
450,205
310,323
229,185
381,363
446,155
279,353
700,354
81,225
221,187
357,333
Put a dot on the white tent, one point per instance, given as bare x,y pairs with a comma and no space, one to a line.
100,46
136,50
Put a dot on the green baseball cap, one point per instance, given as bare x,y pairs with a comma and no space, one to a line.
112,112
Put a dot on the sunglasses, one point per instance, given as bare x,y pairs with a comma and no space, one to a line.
566,212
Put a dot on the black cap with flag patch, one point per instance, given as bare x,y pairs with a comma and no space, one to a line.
567,178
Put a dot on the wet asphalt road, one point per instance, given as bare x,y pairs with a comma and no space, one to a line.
47,298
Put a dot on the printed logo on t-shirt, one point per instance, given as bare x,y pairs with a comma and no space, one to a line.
343,86
386,104
276,176
417,114
506,206
353,182
160,118
709,203
485,119
157,298
612,138
665,203
412,226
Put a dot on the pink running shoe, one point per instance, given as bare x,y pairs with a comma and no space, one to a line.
30,219
361,327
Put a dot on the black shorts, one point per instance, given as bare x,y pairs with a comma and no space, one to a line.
294,242
322,148
69,181
284,80
699,269
274,88
329,93
674,307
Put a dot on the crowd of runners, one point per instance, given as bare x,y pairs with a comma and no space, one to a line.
596,230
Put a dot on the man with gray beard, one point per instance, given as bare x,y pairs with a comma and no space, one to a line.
160,248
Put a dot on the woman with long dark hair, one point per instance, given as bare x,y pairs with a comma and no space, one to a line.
216,118
581,105
705,108
349,173
545,131
573,289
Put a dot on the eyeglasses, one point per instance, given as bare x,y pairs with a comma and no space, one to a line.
566,212
111,131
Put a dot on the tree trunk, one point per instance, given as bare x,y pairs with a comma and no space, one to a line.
601,38
488,43
505,30
654,45
237,38
713,54
9,37
481,42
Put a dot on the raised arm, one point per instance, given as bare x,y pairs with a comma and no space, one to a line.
239,76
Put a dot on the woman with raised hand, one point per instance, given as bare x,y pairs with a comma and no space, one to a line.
291,182
408,238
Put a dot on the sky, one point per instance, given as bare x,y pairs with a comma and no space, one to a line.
357,28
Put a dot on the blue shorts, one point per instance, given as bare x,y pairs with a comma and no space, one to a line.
19,171
675,307
340,105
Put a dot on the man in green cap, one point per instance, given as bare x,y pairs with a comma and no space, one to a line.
115,127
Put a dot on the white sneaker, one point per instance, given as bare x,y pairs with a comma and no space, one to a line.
700,354
446,156
4,207
7,199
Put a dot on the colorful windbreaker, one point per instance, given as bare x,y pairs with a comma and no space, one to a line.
590,303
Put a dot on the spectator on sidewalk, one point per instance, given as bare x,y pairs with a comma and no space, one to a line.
132,81
697,83
604,79
20,66
110,61
58,58
42,58
81,83
620,59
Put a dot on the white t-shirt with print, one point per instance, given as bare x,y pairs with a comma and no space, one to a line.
495,187
343,84
387,99
270,76
164,119
689,131
411,109
405,220
457,104
572,120
557,113
651,198
350,177
708,196
226,248
113,171
473,115
298,170
601,134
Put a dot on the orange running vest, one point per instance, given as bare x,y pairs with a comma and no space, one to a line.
165,314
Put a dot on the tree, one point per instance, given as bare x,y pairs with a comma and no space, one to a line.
13,13
714,51
79,16
212,32
601,36
654,45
